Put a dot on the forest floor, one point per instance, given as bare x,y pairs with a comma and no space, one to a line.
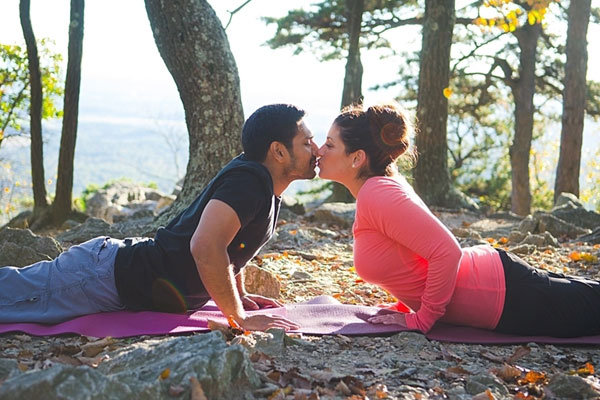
404,365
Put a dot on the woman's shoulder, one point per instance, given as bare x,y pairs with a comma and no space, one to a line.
385,184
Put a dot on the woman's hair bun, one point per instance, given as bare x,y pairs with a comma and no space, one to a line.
389,128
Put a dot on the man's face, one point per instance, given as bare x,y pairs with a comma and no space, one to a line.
303,155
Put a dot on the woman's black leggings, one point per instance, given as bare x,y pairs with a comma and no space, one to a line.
543,303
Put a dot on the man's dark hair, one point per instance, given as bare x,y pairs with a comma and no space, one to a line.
268,124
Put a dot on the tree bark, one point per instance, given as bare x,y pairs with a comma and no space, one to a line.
40,203
523,90
574,98
195,49
352,92
432,178
62,206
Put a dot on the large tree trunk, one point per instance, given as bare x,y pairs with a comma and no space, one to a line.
523,91
352,92
432,179
61,208
40,202
574,97
195,49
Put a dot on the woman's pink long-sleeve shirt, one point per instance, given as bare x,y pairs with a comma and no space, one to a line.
402,247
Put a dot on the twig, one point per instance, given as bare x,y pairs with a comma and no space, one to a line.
231,13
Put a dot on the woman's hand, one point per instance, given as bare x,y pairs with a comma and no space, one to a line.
389,318
256,302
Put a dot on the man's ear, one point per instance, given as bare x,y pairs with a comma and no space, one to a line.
359,158
278,151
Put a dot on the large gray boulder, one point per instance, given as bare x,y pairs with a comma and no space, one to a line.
139,371
341,214
21,247
570,209
541,222
121,200
91,228
572,387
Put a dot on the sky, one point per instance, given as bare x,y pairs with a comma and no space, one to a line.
125,79
120,60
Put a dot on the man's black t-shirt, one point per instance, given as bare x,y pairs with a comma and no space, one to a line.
160,274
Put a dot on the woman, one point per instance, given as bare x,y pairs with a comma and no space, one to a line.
402,247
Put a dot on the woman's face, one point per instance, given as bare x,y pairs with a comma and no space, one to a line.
334,164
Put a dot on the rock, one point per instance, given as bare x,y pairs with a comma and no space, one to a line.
542,240
137,371
566,198
293,235
260,281
410,342
91,228
301,276
480,383
341,214
21,221
522,249
20,247
136,227
8,367
123,199
275,341
516,237
293,205
528,225
592,238
578,216
557,226
571,387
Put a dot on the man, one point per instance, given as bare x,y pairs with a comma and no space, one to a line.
199,255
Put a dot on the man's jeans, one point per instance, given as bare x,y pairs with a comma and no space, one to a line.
79,281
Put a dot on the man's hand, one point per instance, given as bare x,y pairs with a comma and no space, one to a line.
388,318
264,322
256,302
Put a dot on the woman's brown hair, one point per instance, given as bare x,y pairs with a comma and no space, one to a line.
382,131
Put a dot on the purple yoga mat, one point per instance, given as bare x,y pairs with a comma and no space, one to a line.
322,315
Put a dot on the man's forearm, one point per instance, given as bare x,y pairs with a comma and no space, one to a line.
217,276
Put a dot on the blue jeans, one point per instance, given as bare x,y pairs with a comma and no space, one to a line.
79,281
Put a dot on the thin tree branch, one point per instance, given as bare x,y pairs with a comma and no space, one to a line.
231,13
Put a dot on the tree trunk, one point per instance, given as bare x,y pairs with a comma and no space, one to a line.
195,49
352,92
40,202
574,98
432,179
523,91
61,208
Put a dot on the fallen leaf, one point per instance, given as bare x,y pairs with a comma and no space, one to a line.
343,388
520,352
22,367
532,377
507,373
196,389
165,374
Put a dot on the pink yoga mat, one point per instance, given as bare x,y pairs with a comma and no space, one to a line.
321,316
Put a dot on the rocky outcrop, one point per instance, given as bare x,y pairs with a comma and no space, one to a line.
341,214
570,209
122,200
91,228
20,247
154,369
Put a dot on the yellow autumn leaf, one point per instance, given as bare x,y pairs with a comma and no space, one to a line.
530,18
165,374
447,92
